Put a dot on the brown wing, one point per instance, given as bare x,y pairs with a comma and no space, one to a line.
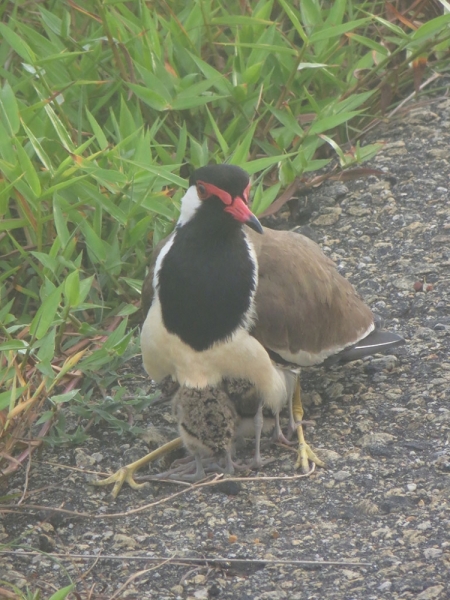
302,302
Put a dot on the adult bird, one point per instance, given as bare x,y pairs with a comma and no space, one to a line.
230,299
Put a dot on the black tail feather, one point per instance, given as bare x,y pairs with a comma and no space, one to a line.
378,340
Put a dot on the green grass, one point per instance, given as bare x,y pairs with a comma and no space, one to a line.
103,102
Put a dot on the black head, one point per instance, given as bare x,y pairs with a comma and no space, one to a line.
231,185
229,178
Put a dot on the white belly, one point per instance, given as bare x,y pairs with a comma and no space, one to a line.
242,356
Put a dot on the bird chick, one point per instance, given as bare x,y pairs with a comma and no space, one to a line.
207,421
246,400
211,420
250,406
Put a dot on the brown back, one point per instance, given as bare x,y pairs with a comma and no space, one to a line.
302,302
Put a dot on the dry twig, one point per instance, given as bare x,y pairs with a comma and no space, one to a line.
216,479
199,560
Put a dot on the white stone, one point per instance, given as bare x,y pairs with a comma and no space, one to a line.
432,552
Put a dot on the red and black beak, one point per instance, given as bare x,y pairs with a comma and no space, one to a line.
239,210
237,207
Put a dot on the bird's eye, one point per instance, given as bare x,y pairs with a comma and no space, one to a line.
201,191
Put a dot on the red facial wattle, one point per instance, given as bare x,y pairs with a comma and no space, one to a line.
237,207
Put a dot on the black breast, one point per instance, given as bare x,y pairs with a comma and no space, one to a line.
205,282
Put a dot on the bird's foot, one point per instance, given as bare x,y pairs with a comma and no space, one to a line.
193,470
280,438
294,425
256,463
126,474
179,462
306,454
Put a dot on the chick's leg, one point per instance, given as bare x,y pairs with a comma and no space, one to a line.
126,474
196,468
305,453
259,422
278,435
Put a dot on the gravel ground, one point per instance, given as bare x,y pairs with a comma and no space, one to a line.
382,425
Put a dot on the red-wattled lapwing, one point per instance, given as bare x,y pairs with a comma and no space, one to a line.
227,296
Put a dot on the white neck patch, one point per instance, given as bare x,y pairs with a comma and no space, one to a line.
190,203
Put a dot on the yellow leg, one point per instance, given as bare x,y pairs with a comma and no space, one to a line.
126,473
305,453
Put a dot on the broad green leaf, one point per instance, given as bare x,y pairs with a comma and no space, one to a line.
40,152
288,120
61,398
162,172
311,13
5,195
220,81
294,18
182,143
17,43
72,289
370,43
252,73
52,58
352,102
60,221
260,164
46,350
46,314
327,123
85,288
70,182
286,173
4,310
14,345
158,204
337,30
342,158
9,109
127,125
264,198
53,22
240,155
96,247
129,309
150,97
120,347
61,131
316,165
8,399
31,176
62,593
193,102
98,132
47,414
222,142
432,27
337,12
230,20
267,48
7,151
49,262
392,27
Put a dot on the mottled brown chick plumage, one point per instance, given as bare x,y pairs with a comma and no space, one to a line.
206,420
